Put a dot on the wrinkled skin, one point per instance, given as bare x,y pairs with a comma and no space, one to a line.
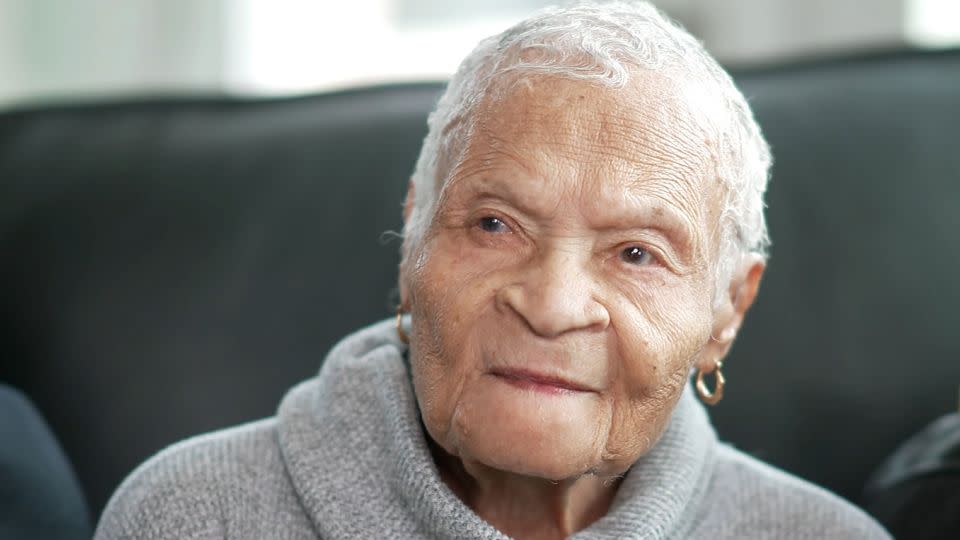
563,293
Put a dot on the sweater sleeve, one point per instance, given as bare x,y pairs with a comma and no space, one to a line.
164,498
230,483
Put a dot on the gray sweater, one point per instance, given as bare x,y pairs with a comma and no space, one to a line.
346,457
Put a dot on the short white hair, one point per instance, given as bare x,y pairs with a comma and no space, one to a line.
601,43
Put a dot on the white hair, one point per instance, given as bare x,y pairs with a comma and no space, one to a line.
602,43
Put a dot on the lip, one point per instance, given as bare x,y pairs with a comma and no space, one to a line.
531,380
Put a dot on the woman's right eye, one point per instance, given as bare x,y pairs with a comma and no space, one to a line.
491,224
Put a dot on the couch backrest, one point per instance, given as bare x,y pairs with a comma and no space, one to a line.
853,344
172,266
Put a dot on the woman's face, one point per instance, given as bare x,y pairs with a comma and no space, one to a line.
565,287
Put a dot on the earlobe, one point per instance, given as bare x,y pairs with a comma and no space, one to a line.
726,334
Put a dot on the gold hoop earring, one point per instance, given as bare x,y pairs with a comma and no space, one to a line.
401,333
708,397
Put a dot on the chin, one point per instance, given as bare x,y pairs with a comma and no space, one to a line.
555,437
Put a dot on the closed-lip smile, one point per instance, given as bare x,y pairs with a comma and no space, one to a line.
533,380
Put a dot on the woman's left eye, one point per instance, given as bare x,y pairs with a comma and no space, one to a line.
636,255
493,225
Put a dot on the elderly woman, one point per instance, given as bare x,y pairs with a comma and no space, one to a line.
584,231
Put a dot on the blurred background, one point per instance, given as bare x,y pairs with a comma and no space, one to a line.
80,49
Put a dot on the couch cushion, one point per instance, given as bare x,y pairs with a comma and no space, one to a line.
171,267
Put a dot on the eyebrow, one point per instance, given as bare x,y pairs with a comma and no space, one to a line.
488,187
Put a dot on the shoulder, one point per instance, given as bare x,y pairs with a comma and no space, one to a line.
198,488
751,499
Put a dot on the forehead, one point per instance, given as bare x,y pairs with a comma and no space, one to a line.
655,115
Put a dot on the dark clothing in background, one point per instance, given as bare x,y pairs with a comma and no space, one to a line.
916,493
39,494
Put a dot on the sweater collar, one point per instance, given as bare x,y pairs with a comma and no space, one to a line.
357,456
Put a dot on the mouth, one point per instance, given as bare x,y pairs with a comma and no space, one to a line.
530,380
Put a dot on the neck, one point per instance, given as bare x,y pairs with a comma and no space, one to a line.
525,507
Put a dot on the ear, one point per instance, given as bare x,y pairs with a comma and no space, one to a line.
402,281
728,316
408,202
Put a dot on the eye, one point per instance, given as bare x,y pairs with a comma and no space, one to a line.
636,255
491,224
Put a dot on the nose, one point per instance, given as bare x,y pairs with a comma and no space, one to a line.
556,295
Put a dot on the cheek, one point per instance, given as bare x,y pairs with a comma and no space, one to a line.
661,331
447,297
659,337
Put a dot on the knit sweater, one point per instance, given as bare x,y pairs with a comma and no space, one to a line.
346,457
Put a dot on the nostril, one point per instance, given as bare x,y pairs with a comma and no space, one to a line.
597,314
509,300
512,301
505,297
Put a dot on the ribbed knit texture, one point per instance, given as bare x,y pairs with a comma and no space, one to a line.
346,457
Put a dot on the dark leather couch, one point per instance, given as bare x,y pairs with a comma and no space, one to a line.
171,266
